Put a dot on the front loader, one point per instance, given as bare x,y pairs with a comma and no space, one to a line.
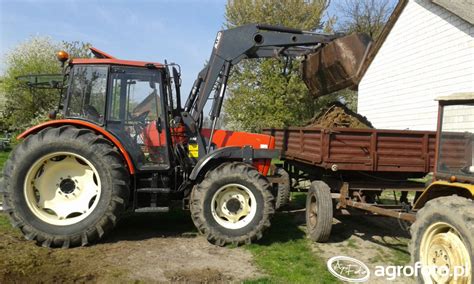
124,142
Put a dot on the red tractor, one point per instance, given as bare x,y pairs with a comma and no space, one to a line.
125,143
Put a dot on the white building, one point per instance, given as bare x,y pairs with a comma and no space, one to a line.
425,51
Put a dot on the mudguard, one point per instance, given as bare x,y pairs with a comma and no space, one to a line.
247,154
85,124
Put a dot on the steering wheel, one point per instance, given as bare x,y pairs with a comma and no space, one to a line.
140,122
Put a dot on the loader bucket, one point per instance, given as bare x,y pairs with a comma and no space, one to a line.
336,66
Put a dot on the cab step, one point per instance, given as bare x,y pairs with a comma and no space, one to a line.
152,209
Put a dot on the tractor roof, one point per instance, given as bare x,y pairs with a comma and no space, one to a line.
467,96
104,58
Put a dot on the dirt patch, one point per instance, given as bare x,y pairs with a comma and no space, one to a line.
182,259
199,276
337,115
143,248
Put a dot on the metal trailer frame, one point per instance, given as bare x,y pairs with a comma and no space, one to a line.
359,164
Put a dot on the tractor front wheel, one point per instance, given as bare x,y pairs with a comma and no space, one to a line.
65,187
232,204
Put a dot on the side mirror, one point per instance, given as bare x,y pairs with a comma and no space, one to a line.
177,85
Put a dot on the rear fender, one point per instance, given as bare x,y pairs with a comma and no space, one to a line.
444,188
84,124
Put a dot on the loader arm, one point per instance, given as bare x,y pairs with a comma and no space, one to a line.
230,47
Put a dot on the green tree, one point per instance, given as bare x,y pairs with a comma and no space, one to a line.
260,94
24,106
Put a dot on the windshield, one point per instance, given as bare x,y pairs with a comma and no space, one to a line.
456,146
87,93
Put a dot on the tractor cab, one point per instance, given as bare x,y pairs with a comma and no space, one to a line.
128,99
455,161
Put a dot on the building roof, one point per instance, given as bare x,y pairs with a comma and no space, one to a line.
462,8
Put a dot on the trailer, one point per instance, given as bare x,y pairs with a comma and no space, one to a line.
357,165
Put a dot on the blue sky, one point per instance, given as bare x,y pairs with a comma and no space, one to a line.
181,31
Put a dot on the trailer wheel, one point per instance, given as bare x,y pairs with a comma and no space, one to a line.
65,187
282,190
319,211
232,204
443,237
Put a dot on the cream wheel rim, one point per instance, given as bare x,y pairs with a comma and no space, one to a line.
442,249
62,188
233,206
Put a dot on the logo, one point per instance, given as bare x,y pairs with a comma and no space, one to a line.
218,39
351,270
348,269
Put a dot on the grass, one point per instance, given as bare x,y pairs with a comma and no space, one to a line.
285,253
3,158
286,256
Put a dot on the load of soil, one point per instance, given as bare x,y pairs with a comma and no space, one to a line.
336,115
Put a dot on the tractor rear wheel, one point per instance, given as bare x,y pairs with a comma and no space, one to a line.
65,187
443,240
232,204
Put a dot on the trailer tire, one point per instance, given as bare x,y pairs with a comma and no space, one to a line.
443,233
282,190
319,211
233,204
84,169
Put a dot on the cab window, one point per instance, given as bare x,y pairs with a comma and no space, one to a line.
88,93
135,113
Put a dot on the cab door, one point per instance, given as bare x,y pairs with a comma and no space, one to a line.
136,115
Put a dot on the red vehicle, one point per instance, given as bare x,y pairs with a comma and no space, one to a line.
125,143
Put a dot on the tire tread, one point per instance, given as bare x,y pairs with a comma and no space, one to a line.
198,197
120,186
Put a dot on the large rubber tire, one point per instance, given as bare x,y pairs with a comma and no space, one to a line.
436,218
203,198
319,211
282,190
96,150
